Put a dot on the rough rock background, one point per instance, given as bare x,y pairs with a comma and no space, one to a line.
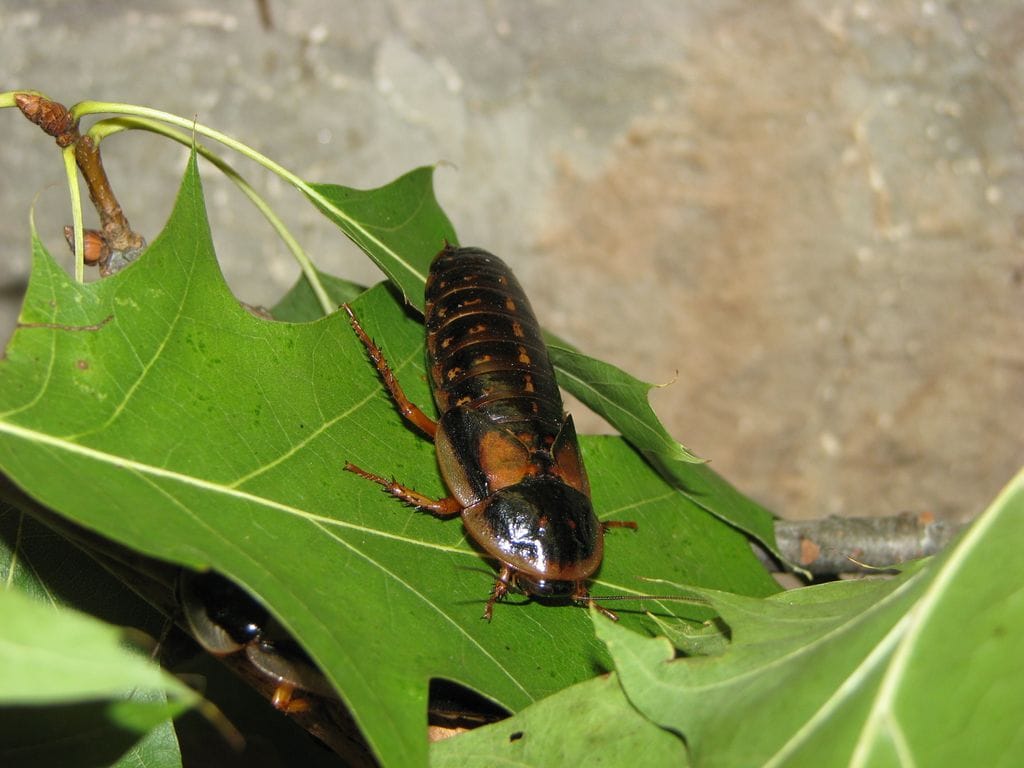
809,210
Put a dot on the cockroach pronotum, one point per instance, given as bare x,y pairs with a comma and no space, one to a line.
507,451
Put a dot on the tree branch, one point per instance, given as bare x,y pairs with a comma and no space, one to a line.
835,545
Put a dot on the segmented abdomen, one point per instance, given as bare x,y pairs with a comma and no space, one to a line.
484,345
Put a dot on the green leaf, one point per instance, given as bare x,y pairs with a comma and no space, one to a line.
713,493
588,724
709,639
151,408
42,565
622,400
52,654
90,734
157,749
35,560
300,305
924,669
400,226
73,693
948,693
56,655
38,562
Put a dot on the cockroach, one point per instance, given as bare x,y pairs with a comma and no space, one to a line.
507,451
224,620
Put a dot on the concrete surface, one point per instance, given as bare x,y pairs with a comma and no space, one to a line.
810,210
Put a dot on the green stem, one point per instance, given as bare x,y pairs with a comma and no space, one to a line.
111,126
71,169
94,107
7,100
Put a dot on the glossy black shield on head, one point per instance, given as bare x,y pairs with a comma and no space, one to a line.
541,527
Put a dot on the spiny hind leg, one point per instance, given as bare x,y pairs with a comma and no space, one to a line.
409,410
446,507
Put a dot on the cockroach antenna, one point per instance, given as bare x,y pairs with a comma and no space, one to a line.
590,599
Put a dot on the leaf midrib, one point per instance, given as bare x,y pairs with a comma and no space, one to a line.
34,436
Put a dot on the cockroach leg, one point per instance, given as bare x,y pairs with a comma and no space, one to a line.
446,507
284,700
603,611
606,524
582,597
499,591
409,410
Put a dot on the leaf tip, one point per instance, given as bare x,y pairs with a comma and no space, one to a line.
684,454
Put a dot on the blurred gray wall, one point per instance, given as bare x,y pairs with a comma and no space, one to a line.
809,210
